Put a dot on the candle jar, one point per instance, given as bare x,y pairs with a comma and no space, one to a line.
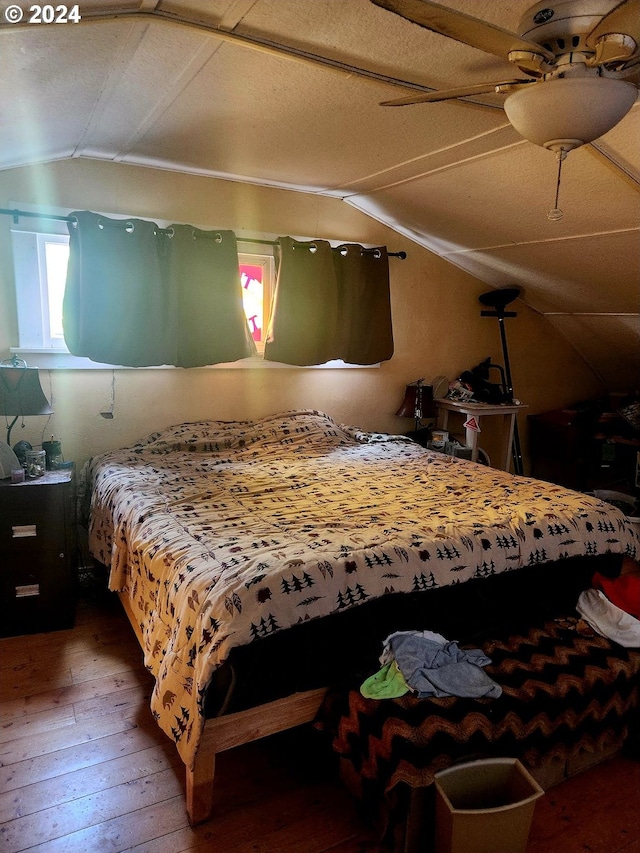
36,464
53,449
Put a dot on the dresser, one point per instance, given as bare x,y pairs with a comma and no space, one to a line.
37,554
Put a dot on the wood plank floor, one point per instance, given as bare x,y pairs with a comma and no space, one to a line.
84,768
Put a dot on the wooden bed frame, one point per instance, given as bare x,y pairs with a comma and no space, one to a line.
230,730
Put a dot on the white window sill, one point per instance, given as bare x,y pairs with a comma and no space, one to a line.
50,359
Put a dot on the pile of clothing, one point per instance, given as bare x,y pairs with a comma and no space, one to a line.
612,607
428,665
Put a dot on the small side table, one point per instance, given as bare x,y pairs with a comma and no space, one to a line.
37,554
479,411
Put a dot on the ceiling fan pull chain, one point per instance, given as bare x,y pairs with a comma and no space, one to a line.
556,214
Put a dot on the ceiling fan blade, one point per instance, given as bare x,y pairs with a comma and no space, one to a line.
452,94
462,27
624,18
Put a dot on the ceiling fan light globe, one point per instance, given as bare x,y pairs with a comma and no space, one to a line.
569,112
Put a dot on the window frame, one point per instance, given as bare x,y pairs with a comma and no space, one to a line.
32,295
28,293
266,261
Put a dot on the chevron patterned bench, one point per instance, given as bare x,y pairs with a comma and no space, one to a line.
569,696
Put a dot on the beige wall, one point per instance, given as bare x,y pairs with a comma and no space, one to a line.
437,324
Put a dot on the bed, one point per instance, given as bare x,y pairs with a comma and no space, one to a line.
259,561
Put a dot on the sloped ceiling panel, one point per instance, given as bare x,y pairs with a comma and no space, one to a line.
330,122
502,196
128,104
596,274
45,101
609,343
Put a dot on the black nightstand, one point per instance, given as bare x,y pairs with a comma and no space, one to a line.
37,554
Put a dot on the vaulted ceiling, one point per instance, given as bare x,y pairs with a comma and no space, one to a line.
287,93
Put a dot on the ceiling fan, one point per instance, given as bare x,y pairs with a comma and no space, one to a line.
580,60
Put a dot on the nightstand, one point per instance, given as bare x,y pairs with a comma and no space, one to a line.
37,554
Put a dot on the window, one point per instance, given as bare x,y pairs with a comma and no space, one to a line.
256,276
40,254
40,269
40,264
55,253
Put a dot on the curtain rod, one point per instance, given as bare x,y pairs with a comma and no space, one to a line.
16,214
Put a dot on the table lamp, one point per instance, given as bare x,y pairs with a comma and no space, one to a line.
417,403
21,394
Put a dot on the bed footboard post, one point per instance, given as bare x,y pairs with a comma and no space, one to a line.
200,783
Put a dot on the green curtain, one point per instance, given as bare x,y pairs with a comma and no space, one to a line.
364,324
138,295
330,303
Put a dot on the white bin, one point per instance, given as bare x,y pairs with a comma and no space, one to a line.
485,806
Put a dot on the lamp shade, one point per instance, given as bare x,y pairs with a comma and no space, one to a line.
568,112
417,402
21,392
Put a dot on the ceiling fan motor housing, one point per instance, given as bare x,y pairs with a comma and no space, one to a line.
562,27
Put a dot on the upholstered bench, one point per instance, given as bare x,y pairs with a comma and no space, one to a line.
569,697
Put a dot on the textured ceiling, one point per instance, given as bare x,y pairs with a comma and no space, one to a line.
196,85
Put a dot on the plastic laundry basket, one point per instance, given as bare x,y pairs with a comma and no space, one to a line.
485,807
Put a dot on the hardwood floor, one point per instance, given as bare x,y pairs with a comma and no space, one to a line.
84,768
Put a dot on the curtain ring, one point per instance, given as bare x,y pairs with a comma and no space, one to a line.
207,235
73,220
129,226
312,247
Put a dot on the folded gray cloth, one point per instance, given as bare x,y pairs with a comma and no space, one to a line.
438,669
